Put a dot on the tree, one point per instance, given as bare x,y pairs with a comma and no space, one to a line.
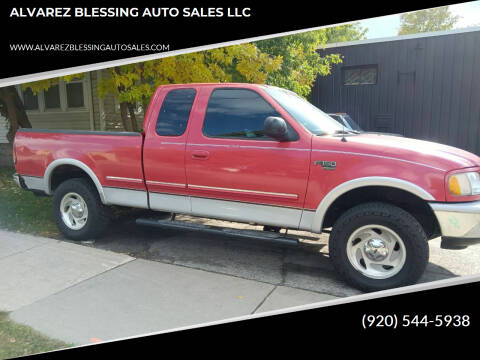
137,82
436,19
11,107
348,32
301,61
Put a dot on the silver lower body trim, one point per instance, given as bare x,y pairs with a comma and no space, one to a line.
172,203
16,180
246,212
126,197
31,182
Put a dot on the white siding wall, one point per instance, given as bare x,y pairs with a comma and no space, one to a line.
3,130
78,120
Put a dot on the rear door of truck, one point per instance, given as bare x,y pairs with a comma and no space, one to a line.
164,148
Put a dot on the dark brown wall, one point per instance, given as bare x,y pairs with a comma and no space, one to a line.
427,88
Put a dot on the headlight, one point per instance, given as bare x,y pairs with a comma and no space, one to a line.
464,184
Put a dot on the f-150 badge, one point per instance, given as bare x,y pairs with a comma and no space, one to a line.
326,165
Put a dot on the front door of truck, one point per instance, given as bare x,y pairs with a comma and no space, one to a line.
234,171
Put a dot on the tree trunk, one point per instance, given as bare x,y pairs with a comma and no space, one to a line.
14,111
124,115
133,118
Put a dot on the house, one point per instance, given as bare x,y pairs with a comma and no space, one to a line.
75,105
425,86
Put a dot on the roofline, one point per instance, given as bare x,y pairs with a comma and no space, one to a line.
402,37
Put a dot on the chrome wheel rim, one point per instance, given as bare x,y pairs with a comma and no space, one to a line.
376,251
74,211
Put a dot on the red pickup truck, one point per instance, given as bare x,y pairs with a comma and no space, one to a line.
261,154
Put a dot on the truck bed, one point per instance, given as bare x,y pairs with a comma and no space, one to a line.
114,157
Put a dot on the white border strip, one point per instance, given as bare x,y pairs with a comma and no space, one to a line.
255,192
116,178
151,182
374,295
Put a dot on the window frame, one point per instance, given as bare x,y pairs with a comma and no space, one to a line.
62,90
289,126
360,67
196,92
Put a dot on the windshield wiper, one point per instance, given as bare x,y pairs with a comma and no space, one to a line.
346,132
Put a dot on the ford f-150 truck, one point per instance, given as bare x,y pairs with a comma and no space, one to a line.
260,154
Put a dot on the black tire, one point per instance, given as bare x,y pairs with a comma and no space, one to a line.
99,215
394,219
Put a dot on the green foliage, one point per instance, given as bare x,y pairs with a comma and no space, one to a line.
436,19
301,62
45,84
239,63
349,32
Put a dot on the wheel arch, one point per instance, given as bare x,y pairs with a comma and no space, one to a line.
364,183
53,166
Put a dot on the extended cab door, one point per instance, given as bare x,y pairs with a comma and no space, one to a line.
234,171
164,148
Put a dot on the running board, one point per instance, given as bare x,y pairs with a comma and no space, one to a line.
250,234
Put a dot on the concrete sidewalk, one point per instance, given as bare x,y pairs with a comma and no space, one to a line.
80,294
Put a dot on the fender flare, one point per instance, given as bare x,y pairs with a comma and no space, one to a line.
47,177
345,187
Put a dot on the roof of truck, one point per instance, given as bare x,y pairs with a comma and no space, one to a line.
227,84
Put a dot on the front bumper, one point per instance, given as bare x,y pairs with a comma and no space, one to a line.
459,223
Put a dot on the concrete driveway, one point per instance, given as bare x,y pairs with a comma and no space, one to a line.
306,266
138,280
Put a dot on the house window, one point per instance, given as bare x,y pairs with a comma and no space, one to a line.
59,97
30,101
360,75
75,94
52,97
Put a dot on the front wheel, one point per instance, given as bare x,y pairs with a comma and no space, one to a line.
377,246
78,210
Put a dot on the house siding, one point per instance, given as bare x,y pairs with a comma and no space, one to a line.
3,130
78,120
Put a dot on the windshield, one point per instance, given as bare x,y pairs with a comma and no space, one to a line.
352,124
311,117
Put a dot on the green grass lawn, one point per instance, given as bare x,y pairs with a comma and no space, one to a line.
19,340
22,211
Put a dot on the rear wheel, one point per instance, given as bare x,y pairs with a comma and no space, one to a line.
78,210
377,246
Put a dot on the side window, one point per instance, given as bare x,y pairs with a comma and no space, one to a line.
236,113
173,116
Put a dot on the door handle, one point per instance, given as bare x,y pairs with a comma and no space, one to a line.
200,155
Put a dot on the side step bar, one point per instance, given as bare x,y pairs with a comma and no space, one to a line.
250,234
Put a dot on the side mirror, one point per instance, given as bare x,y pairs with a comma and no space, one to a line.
276,128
